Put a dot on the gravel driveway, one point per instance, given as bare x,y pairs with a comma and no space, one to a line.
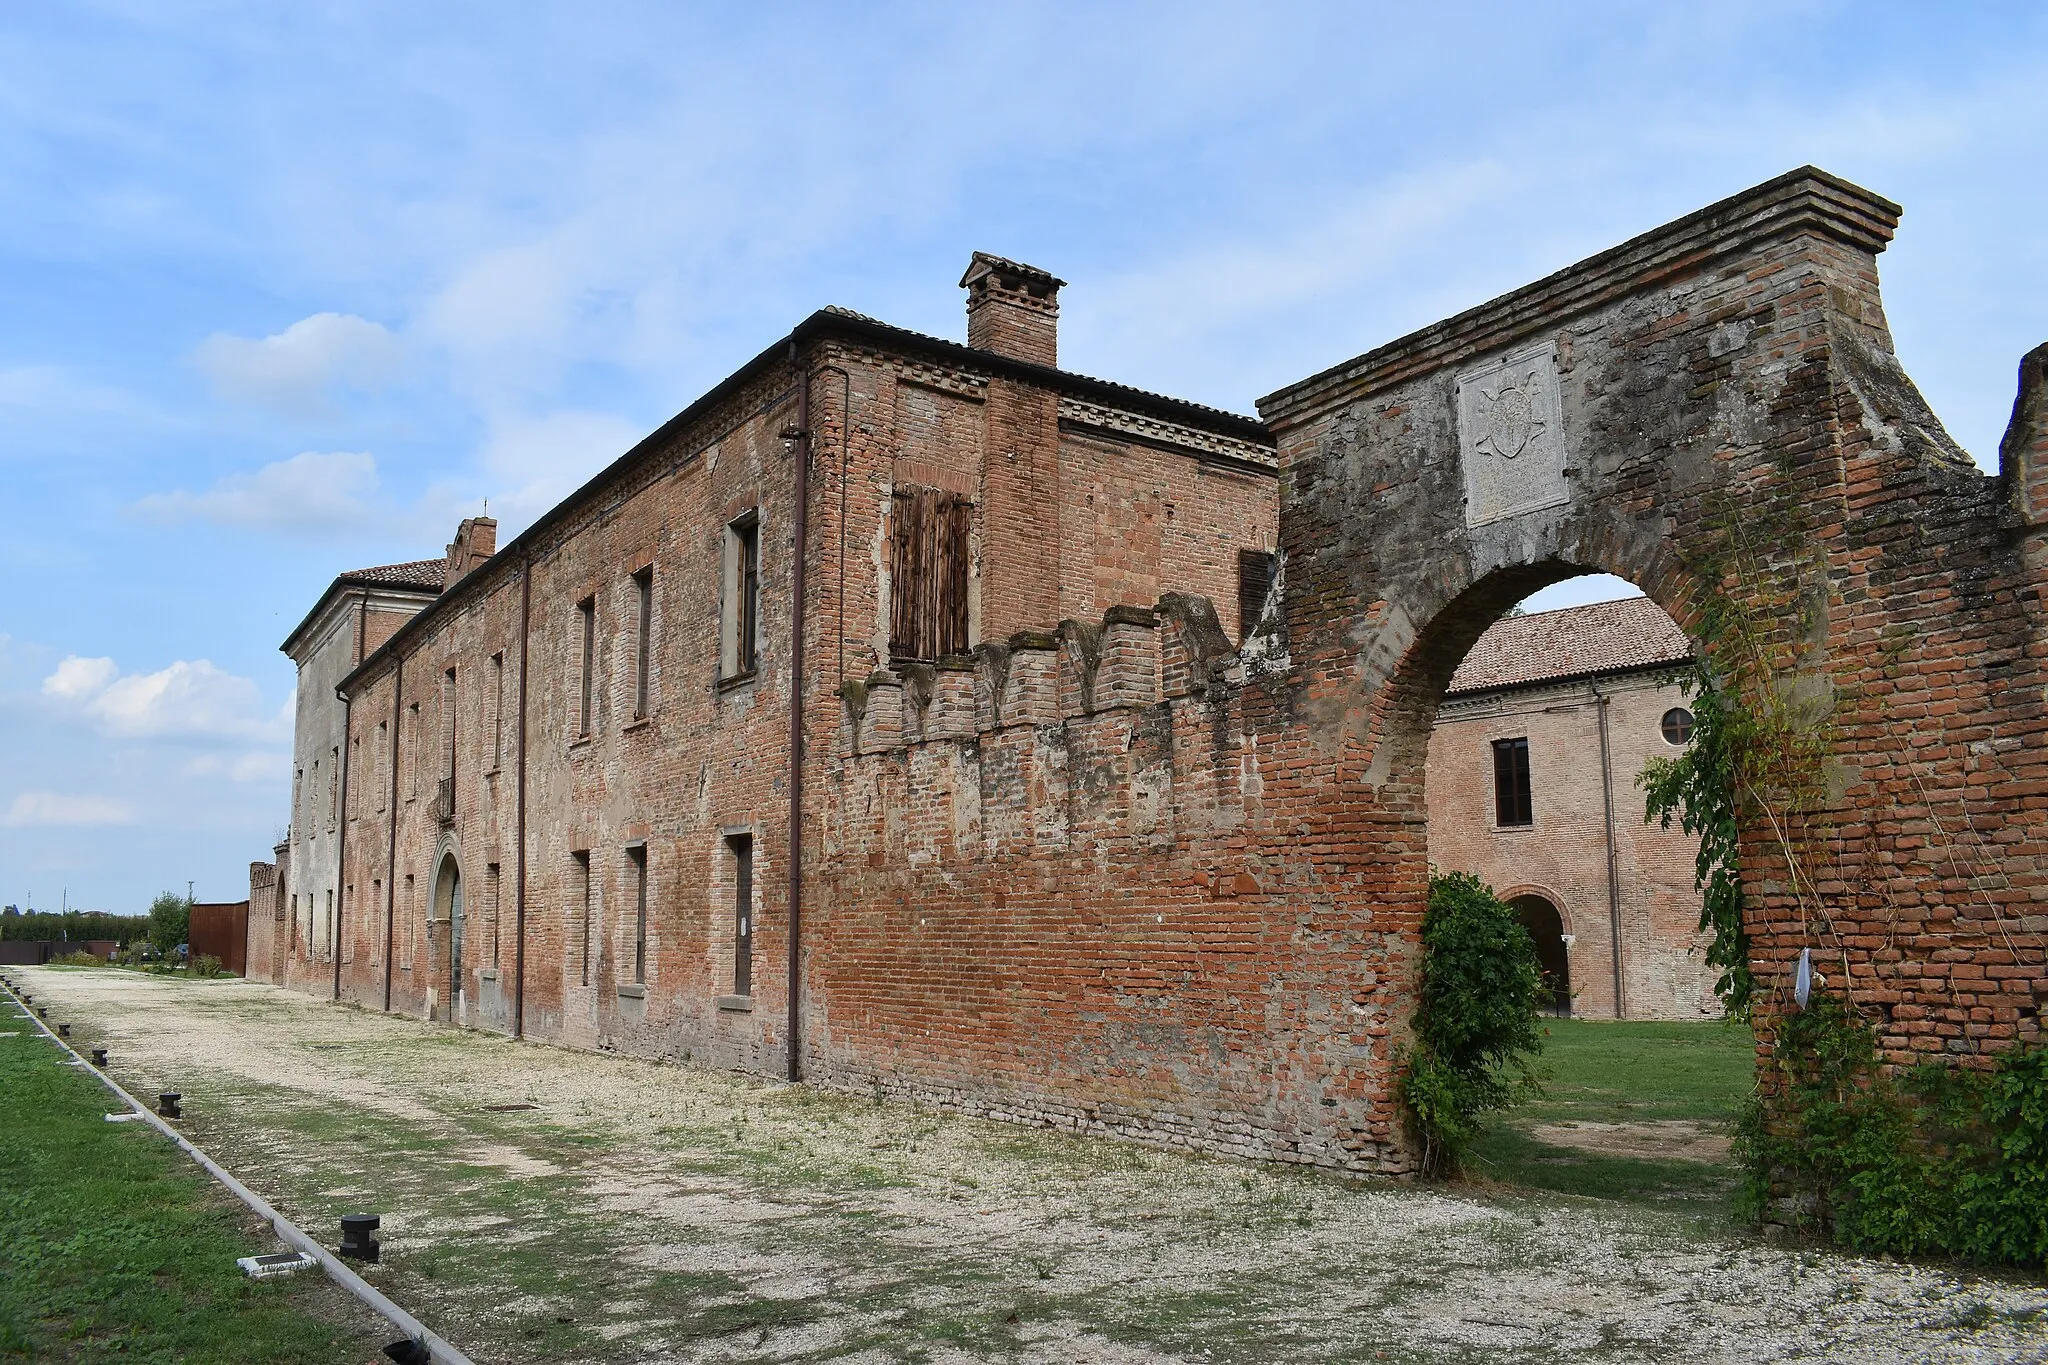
548,1205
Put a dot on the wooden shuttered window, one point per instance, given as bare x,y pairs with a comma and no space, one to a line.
928,574
1254,581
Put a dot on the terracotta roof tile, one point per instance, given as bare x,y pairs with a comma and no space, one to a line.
1573,642
417,573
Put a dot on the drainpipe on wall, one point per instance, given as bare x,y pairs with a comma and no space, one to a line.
391,858
1613,879
791,1033
341,849
341,838
519,817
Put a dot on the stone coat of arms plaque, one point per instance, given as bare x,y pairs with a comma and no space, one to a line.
1511,435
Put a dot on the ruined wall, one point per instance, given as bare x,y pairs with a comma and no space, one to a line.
1713,411
266,921
1050,893
1562,854
1194,918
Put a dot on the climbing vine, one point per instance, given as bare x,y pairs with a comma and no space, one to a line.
1932,1161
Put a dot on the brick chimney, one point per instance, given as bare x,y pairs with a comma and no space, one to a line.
1012,309
476,540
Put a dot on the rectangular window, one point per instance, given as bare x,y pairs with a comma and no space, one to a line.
1511,804
333,785
497,710
636,858
1254,581
405,934
582,860
348,949
383,756
491,890
643,638
412,750
586,613
738,634
742,846
327,932
355,763
376,899
928,574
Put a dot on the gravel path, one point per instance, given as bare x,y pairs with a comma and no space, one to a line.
633,1212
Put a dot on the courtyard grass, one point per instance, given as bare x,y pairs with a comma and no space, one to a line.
1639,1077
115,1246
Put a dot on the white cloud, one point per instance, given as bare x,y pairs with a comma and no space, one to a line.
313,490
191,699
53,809
296,369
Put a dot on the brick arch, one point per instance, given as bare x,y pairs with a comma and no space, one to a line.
1511,894
1714,382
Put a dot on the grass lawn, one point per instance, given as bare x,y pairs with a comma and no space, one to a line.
114,1245
1696,1074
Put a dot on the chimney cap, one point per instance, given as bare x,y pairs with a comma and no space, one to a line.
1013,274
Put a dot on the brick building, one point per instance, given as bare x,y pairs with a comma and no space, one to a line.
294,903
926,719
1531,779
619,682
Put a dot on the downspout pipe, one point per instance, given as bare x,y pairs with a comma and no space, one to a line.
341,846
391,855
519,818
347,768
1613,877
800,553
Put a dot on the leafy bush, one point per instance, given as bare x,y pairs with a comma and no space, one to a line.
206,964
170,921
1476,1029
1935,1160
81,958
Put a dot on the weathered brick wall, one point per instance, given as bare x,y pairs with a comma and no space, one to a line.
1196,922
1184,903
1562,854
708,760
1712,375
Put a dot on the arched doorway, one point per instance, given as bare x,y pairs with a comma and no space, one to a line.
1546,927
448,911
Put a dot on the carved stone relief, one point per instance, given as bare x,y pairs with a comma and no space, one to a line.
1511,435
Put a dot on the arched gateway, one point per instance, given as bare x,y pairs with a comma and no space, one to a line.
1713,411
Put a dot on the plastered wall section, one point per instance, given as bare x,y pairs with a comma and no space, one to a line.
1562,854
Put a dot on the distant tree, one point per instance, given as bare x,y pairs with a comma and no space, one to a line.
170,921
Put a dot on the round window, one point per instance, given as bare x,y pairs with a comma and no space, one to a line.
1677,726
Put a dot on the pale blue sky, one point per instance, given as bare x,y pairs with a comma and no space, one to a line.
289,288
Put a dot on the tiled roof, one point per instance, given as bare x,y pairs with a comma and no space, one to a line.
418,573
1573,642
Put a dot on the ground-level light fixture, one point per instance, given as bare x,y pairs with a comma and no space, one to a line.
99,1058
358,1236
167,1104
